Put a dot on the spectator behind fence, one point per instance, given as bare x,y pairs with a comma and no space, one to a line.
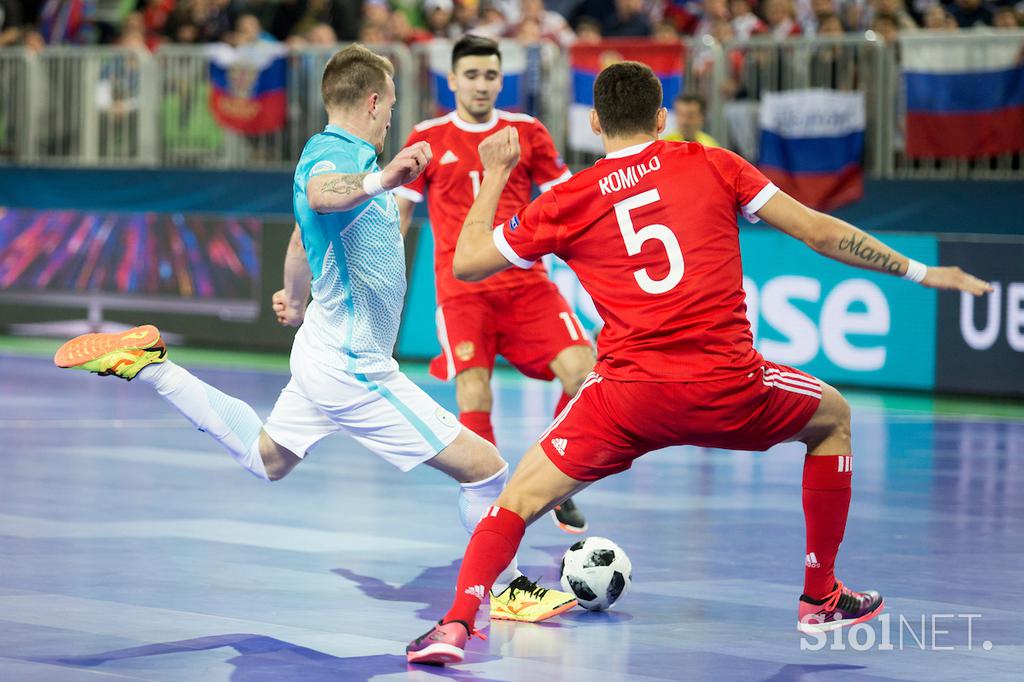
829,25
936,18
439,17
551,25
1006,17
714,10
820,8
11,20
744,22
321,35
781,19
630,20
665,32
248,31
588,31
403,30
833,66
466,16
491,23
970,13
887,26
898,9
690,111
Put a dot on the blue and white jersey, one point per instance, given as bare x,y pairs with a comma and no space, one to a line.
357,259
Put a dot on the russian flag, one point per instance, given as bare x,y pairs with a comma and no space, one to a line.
586,61
248,92
812,144
513,67
963,101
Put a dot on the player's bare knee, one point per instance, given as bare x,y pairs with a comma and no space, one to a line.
473,390
572,366
486,462
838,412
277,461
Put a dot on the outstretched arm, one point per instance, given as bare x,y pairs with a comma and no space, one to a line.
337,192
290,303
845,243
476,256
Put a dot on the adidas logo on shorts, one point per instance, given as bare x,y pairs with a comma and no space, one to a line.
559,444
476,591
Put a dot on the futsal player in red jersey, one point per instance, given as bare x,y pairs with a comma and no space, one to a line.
518,314
651,232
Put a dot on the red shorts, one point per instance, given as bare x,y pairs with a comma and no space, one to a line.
528,325
610,423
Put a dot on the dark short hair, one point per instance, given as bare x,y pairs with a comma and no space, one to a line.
351,75
470,45
627,97
690,98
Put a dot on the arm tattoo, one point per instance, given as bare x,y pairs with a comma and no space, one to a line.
345,185
477,222
855,245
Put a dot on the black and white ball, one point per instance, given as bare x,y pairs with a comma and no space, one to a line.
597,571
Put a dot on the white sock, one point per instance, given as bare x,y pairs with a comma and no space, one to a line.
474,499
231,422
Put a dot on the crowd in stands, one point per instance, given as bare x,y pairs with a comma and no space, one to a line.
146,24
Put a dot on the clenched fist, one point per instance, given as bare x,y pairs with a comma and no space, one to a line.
288,314
406,166
499,153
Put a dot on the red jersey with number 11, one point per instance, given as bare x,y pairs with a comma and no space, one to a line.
651,233
452,179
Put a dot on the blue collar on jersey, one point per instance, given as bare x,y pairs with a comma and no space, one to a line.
346,135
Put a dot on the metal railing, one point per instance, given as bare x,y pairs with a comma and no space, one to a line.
741,72
75,106
974,50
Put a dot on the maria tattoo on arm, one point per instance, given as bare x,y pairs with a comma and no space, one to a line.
855,245
345,185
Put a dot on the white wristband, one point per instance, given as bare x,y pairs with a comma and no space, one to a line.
915,270
373,184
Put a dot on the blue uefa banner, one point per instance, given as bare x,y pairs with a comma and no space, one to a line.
842,324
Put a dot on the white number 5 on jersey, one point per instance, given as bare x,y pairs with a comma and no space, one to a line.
635,239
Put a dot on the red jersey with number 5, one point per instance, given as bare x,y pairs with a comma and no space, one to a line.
452,179
651,233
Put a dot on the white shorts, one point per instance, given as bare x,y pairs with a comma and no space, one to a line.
386,412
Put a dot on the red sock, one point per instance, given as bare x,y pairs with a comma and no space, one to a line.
826,504
562,402
479,423
494,543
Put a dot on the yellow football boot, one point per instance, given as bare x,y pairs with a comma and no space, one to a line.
122,354
526,602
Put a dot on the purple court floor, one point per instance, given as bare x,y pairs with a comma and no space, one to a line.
133,548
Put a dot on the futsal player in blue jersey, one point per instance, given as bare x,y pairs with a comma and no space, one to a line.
343,375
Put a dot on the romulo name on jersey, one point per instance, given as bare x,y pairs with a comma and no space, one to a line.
624,178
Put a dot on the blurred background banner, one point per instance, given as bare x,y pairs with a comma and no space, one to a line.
188,262
586,61
964,100
248,93
812,144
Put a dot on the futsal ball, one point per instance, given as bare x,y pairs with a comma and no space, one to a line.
597,572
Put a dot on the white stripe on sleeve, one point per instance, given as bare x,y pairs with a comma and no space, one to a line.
507,251
758,202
